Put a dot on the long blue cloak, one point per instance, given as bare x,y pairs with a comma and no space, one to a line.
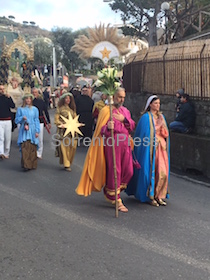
142,184
32,115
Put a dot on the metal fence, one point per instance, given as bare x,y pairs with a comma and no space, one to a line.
164,69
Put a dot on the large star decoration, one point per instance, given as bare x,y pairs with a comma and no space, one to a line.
105,53
71,125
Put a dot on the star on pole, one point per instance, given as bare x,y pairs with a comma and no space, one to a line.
105,53
71,125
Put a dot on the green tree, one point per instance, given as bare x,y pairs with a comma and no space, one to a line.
139,16
63,39
143,16
184,18
43,51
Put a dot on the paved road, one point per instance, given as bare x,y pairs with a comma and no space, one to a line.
48,232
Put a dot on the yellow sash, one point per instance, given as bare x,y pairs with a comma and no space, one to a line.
93,176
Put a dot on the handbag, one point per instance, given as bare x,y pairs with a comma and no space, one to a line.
136,164
26,126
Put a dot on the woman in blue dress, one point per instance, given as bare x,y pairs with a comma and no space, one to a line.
28,118
151,148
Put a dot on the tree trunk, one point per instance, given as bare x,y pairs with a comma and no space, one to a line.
152,40
153,25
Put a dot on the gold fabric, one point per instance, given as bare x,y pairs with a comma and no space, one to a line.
93,176
67,149
99,105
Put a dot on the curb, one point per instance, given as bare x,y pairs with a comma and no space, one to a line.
191,179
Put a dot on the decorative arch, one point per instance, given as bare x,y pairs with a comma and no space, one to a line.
7,51
21,46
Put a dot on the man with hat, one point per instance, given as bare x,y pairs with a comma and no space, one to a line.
6,103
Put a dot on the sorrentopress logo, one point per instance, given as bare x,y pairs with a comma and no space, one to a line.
103,141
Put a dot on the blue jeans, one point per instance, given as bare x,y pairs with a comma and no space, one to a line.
178,126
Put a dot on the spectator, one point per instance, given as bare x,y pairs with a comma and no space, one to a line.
42,109
47,95
185,121
96,96
84,105
76,92
179,93
6,103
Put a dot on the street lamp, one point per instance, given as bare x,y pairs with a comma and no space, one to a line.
165,6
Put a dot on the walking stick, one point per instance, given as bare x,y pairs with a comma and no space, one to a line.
45,124
114,157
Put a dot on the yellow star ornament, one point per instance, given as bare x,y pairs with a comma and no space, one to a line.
105,53
71,125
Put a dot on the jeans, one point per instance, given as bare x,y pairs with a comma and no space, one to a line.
5,137
178,126
41,134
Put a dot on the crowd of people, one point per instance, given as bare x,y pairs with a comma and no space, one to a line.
149,147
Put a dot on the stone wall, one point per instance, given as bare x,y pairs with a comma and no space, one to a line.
190,152
135,102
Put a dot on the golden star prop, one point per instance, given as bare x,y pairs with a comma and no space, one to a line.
71,125
105,53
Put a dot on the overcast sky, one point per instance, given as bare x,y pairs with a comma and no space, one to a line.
73,14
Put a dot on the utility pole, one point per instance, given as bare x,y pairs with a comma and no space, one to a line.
54,68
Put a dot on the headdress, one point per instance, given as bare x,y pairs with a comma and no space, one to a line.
28,95
15,76
66,94
149,100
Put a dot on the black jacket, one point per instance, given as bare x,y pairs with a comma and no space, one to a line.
41,106
187,115
5,105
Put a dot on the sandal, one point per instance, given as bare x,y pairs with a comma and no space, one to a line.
68,169
162,202
154,203
122,208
